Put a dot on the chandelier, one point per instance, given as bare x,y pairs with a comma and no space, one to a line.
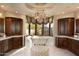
40,16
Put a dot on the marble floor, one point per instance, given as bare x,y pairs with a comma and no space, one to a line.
50,49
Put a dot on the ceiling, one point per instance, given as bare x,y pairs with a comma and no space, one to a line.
50,9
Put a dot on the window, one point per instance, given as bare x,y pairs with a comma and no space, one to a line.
51,29
39,29
27,30
32,29
46,29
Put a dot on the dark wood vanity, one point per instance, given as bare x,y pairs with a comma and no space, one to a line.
69,44
13,32
61,42
66,27
18,41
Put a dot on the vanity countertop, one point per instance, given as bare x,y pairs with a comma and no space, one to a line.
62,36
8,37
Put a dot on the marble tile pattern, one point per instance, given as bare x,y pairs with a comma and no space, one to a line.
39,51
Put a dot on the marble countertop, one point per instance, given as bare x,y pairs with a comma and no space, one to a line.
8,37
62,36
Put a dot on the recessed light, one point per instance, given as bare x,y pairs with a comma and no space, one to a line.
2,6
16,11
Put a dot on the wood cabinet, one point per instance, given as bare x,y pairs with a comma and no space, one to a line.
61,42
61,27
3,47
10,44
14,26
66,26
17,42
1,25
77,26
76,47
73,46
67,43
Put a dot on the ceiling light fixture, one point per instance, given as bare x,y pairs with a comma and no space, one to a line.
40,16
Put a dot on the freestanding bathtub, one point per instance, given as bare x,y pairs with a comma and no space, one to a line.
39,45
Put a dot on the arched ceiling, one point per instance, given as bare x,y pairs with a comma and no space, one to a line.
40,6
50,9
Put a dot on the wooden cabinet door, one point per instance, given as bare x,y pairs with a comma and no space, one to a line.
17,42
73,46
13,26
70,44
77,25
18,27
1,25
9,26
5,43
70,27
10,44
61,42
66,26
1,48
61,27
76,47
8,23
